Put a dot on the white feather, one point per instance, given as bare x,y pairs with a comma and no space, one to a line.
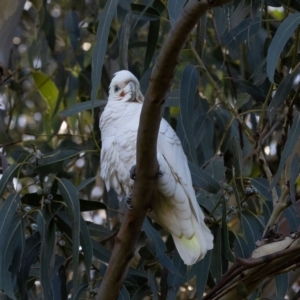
176,208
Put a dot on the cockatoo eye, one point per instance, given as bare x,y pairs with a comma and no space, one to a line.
117,88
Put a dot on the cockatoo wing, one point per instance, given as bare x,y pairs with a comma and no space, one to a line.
177,208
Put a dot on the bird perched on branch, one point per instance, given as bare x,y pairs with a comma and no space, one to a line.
176,207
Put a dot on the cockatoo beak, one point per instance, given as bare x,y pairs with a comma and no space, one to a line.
133,91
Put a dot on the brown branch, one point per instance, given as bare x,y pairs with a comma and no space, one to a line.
147,166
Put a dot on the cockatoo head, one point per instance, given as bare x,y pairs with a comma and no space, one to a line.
125,87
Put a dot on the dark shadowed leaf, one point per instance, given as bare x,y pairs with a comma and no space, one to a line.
124,40
59,278
175,280
247,87
202,270
282,284
84,183
291,214
188,87
53,162
13,239
152,284
105,19
78,290
151,43
79,107
144,12
263,186
294,173
292,139
141,293
124,295
174,9
100,251
159,246
282,35
216,255
70,196
98,230
203,180
30,255
8,175
281,94
242,32
237,156
225,239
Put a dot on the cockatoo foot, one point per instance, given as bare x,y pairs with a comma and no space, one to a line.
132,172
128,202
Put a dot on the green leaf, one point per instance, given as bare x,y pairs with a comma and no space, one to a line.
8,175
281,94
292,139
174,8
47,89
282,35
79,107
70,196
256,92
105,19
188,88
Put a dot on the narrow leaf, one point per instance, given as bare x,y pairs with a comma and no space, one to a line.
225,239
174,9
292,139
294,173
8,175
70,196
282,35
282,284
105,19
79,107
188,88
281,94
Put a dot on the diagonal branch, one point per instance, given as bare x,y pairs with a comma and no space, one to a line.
147,166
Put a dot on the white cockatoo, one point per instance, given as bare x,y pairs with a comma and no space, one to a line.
176,207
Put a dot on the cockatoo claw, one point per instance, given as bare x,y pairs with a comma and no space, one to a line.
132,172
128,203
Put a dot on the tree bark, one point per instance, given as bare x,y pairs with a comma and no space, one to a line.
147,166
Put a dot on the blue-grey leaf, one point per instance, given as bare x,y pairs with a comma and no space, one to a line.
282,284
188,88
124,295
247,87
203,180
70,196
242,32
174,9
281,94
202,270
8,175
294,173
292,139
282,35
158,246
79,107
105,19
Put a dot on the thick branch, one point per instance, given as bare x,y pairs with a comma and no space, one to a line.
147,166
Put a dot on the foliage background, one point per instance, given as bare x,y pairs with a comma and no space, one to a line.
234,103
